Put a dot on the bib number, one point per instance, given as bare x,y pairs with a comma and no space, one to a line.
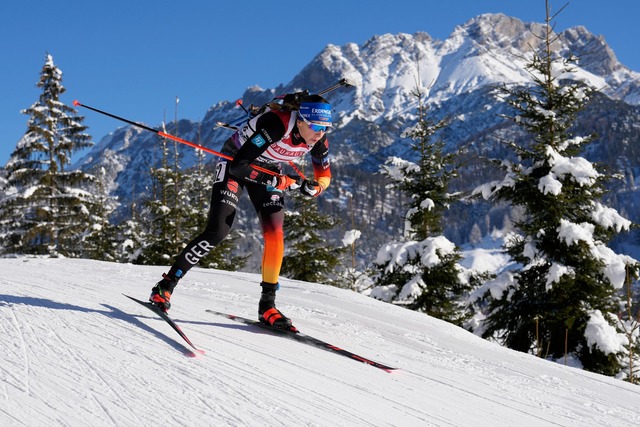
221,169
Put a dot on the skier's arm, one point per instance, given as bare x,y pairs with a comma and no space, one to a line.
269,128
321,170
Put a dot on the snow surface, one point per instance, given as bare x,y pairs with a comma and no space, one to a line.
75,352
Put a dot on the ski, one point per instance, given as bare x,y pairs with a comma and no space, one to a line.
167,319
305,339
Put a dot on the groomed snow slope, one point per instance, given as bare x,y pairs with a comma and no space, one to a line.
75,352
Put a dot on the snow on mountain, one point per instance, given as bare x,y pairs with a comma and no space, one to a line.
75,352
458,75
487,50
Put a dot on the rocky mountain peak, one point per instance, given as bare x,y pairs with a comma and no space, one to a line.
500,31
456,75
592,50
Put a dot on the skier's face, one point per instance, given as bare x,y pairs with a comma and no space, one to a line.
310,136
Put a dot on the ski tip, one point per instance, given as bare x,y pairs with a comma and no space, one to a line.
195,353
135,299
76,102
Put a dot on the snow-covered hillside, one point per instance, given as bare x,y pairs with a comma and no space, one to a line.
75,352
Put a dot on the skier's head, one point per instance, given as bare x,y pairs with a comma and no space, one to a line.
315,111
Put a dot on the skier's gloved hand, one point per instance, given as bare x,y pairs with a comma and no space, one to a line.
284,182
310,188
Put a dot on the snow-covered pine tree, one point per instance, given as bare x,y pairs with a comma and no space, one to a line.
47,209
8,242
162,213
131,236
566,281
628,323
100,240
309,256
422,270
349,276
197,184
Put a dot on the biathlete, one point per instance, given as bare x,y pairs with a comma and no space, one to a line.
267,140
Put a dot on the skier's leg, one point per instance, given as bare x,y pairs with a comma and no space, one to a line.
269,206
225,195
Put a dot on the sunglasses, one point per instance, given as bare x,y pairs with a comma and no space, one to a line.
314,127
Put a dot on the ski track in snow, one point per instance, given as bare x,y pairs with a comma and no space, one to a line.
75,352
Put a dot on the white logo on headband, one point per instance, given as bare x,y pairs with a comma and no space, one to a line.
316,112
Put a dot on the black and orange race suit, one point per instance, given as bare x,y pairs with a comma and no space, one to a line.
268,140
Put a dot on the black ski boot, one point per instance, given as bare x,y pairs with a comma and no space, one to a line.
161,292
267,311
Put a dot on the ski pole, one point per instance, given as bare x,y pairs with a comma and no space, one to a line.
342,82
173,138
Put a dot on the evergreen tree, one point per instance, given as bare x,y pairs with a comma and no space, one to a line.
131,237
423,183
100,240
567,277
164,211
628,323
46,209
309,256
10,218
422,271
198,184
349,275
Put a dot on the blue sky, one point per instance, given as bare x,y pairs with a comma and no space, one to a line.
134,57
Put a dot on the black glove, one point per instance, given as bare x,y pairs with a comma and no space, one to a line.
310,188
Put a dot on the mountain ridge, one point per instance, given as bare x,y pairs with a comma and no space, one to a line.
458,76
